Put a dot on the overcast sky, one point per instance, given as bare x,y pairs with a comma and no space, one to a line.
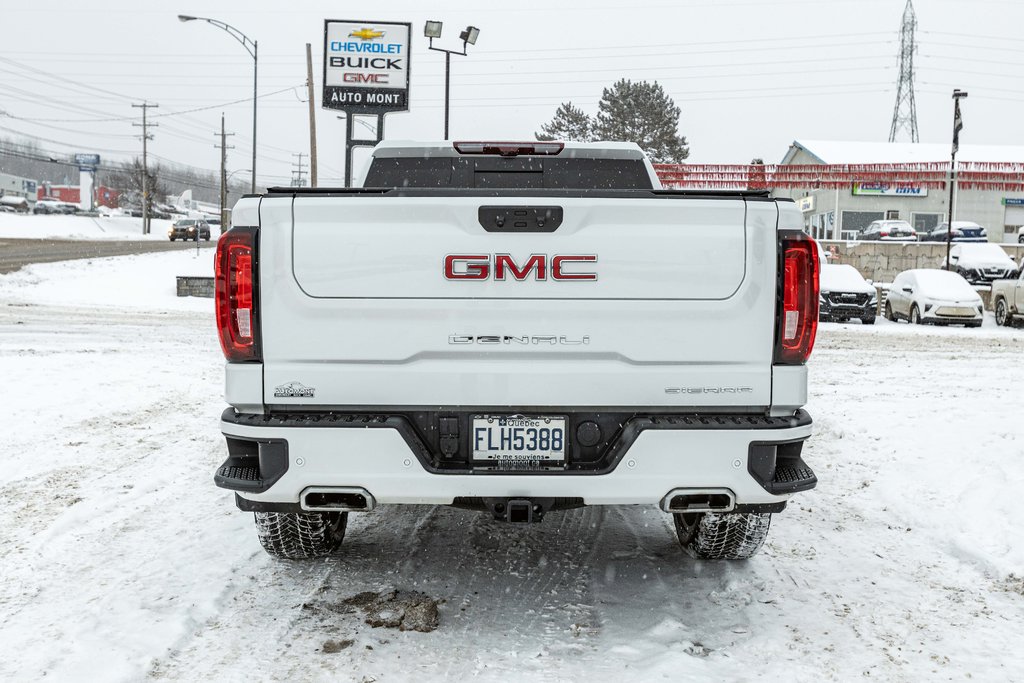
749,75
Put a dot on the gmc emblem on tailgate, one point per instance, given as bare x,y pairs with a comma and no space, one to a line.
500,267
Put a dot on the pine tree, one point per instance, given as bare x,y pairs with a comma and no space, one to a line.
644,114
570,124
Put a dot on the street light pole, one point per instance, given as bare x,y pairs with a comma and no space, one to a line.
251,47
447,88
432,30
957,125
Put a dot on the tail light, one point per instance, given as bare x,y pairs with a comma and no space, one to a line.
797,307
236,282
510,149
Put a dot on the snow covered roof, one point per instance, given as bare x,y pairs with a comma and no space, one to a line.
841,152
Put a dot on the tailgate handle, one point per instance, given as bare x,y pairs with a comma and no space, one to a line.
520,218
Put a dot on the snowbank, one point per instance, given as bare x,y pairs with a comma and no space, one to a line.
46,226
144,281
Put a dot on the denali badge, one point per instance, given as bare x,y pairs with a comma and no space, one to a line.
521,340
708,390
501,267
294,390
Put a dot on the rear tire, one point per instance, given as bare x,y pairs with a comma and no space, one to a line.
868,320
915,316
300,535
713,536
1003,316
888,312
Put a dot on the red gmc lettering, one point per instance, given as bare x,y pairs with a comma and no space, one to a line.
535,262
478,267
473,269
365,78
556,267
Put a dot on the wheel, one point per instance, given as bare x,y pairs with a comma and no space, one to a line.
1003,316
888,312
1020,239
172,239
868,320
300,535
713,536
915,316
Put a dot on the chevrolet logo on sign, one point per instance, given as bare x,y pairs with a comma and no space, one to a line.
366,34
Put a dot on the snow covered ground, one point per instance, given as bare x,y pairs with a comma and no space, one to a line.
42,226
121,561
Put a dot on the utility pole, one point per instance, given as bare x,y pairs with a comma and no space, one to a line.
223,173
904,114
145,165
312,116
297,173
958,124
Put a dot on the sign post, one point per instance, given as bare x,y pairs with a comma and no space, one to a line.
366,72
87,164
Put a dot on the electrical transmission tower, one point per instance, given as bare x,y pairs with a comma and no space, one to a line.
904,114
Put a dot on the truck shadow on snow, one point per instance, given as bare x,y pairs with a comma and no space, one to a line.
600,573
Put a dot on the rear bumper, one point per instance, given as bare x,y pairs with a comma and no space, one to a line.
275,459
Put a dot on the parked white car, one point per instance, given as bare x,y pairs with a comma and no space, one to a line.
980,264
933,296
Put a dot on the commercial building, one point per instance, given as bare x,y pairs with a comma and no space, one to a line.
16,186
102,195
842,213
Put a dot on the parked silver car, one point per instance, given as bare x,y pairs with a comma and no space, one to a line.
889,231
934,296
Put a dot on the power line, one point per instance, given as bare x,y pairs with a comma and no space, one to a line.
164,115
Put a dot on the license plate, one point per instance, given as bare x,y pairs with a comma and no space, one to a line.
518,439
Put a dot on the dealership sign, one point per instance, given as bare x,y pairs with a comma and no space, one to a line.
887,190
366,66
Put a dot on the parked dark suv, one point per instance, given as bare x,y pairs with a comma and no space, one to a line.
963,231
845,294
186,229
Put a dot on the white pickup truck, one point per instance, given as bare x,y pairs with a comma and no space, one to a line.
1008,298
517,328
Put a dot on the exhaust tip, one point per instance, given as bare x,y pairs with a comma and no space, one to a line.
698,500
337,499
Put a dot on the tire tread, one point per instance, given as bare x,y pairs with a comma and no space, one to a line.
737,536
300,535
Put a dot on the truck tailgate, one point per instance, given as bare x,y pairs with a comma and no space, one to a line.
680,311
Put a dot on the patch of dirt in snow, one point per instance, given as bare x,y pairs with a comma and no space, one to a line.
1013,584
404,610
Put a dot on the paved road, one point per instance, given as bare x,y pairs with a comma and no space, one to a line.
15,253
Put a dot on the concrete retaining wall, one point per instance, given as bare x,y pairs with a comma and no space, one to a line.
882,261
